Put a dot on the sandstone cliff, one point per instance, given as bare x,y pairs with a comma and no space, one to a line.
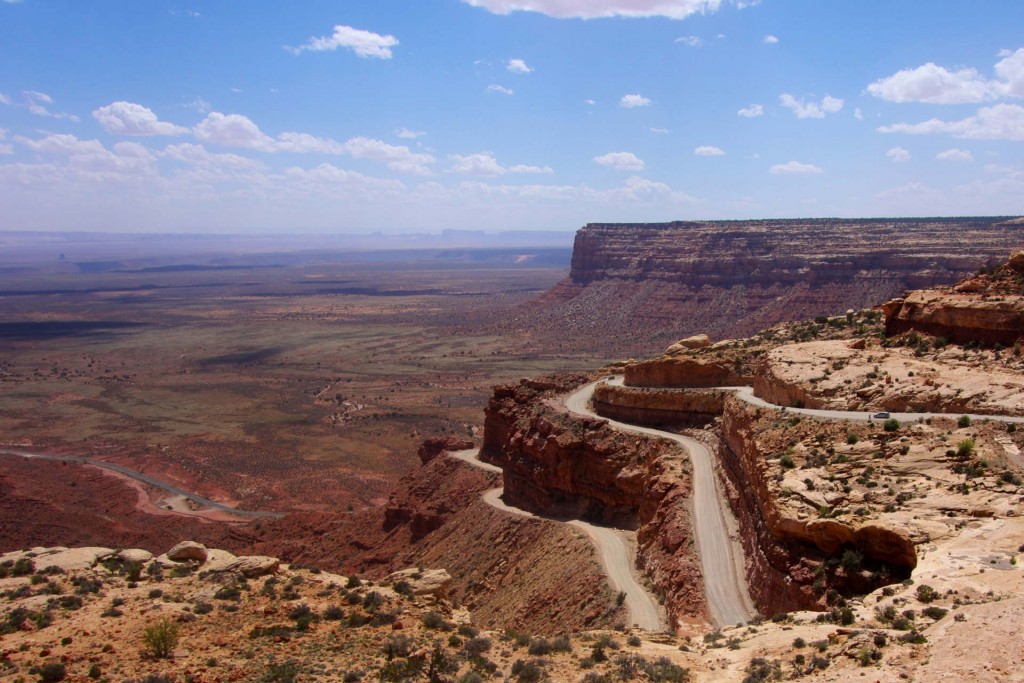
634,287
570,466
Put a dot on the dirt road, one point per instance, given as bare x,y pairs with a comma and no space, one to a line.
145,479
613,546
715,528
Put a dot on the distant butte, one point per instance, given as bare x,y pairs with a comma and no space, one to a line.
634,287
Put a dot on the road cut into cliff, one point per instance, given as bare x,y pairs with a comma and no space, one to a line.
714,525
613,545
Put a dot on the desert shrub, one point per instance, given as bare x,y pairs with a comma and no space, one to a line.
155,593
353,582
202,607
926,593
799,642
787,461
528,671
634,641
228,593
891,425
963,421
70,602
933,612
914,637
334,613
852,438
433,620
468,631
851,560
398,646
760,669
662,669
539,647
372,601
475,647
965,448
403,588
23,567
281,672
161,638
51,672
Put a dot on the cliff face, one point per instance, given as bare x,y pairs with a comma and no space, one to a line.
565,465
643,285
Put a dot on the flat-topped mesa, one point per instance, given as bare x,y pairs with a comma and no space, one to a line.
642,285
768,252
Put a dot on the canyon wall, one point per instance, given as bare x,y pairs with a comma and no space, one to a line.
658,407
565,465
634,288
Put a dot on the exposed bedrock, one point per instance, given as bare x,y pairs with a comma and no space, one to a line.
570,466
786,554
658,407
636,287
685,371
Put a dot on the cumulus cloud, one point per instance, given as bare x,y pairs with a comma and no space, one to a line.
709,151
632,101
599,9
998,122
407,134
898,155
364,44
858,114
621,161
955,154
770,39
197,155
795,167
484,164
500,89
518,66
811,110
660,131
689,41
752,111
128,118
934,84
235,130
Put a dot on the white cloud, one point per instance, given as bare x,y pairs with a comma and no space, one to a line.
589,102
235,130
632,101
689,41
4,98
811,110
858,114
998,122
660,131
495,88
407,134
935,84
200,105
898,155
484,164
476,164
795,167
596,9
34,101
621,161
197,155
364,44
709,151
752,111
770,39
518,66
522,168
955,154
128,118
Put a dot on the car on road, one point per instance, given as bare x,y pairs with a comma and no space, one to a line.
881,416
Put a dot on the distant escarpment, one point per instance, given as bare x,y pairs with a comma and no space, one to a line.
633,287
560,464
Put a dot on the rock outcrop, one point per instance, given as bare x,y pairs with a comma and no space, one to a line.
560,464
635,288
987,308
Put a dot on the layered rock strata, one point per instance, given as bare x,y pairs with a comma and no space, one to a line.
634,287
571,466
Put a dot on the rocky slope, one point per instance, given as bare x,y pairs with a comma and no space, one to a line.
641,285
565,465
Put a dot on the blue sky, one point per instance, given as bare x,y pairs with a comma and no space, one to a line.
419,115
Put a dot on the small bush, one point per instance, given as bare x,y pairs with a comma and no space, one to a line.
926,593
964,421
933,612
334,613
852,438
161,638
891,425
434,620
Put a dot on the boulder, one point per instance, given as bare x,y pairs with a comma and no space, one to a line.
697,341
135,555
188,551
1017,260
433,582
251,566
74,559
